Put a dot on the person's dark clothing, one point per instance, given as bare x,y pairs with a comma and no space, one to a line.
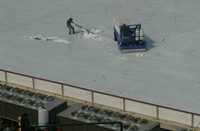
70,27
25,123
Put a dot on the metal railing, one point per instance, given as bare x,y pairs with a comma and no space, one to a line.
96,97
73,126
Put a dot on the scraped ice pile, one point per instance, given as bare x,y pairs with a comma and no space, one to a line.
96,31
139,54
48,39
93,34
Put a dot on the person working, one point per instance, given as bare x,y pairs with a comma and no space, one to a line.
70,27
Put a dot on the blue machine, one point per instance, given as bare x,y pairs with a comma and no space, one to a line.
130,38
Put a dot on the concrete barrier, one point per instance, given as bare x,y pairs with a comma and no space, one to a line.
107,100
164,113
20,80
196,121
141,108
77,93
176,116
2,76
48,86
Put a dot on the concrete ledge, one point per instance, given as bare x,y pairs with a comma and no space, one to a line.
20,80
2,76
176,116
77,93
107,100
48,86
141,108
196,121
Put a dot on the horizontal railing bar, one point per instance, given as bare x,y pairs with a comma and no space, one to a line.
77,124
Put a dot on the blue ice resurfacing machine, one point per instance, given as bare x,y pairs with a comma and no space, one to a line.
130,38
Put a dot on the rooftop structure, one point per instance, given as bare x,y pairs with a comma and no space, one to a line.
41,108
89,114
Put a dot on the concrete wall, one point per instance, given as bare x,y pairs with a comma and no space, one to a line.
20,80
176,116
48,86
77,93
141,108
196,121
108,100
2,76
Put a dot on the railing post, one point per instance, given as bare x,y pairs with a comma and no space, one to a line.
157,112
33,81
124,104
192,120
62,89
6,77
92,97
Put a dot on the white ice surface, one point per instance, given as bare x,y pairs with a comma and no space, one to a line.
168,74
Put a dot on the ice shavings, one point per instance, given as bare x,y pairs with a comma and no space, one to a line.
48,39
93,34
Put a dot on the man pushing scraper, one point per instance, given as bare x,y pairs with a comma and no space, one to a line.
70,26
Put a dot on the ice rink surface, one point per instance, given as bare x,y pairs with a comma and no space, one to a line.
167,74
